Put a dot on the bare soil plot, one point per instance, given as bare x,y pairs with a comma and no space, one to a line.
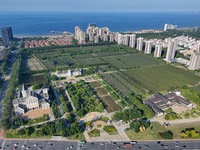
111,105
36,113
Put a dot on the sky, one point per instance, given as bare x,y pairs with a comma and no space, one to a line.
98,5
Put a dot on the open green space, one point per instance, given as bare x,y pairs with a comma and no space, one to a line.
110,129
94,133
152,133
79,136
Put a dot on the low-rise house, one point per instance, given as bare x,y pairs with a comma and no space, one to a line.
160,102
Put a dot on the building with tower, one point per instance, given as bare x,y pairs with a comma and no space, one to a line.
27,99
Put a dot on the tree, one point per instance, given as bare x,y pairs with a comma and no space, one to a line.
166,134
54,77
21,131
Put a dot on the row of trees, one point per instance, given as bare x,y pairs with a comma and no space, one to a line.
190,133
10,93
56,128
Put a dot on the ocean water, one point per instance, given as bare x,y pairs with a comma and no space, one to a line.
31,24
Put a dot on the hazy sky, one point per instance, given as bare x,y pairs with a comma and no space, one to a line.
99,5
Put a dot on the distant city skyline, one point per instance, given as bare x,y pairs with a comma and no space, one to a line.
99,6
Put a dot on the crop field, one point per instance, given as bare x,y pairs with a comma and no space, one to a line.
95,84
162,77
117,84
128,61
111,106
128,70
31,63
101,92
95,61
31,79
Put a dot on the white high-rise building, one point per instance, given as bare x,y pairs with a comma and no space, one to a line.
171,50
79,35
139,44
132,40
169,27
158,50
195,60
148,47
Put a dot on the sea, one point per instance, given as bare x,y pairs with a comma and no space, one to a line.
42,23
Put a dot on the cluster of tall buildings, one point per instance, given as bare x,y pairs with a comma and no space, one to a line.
94,34
7,36
125,39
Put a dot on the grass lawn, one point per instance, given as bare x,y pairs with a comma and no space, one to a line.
157,127
197,88
94,133
176,129
13,134
78,136
110,130
148,134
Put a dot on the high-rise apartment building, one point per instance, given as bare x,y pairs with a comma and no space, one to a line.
7,36
158,50
132,40
139,44
195,60
79,35
169,27
148,47
171,50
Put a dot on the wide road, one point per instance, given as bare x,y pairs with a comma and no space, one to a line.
63,145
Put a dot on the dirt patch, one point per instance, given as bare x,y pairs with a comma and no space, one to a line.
35,113
178,109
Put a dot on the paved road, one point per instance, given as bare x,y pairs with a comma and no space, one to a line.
64,145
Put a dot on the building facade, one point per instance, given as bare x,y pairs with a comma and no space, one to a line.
158,50
139,44
194,63
148,47
169,27
171,50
